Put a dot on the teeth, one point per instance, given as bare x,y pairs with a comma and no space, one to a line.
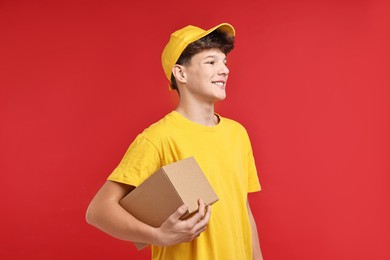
219,83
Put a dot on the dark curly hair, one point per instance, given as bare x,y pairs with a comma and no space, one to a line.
216,39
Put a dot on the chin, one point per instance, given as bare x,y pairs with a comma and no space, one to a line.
220,98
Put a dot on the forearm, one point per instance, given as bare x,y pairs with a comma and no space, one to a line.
112,219
256,250
105,213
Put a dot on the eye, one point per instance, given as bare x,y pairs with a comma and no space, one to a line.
210,62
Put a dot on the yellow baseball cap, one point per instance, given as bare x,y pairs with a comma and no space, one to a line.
181,38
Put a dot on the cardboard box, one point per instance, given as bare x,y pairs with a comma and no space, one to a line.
173,185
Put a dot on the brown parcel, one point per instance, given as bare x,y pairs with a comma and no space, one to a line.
173,185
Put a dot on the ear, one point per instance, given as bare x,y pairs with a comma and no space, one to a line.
179,73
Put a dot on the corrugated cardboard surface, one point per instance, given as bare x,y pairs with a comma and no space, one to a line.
153,201
158,197
190,183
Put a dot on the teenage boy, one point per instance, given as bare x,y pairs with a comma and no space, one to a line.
194,61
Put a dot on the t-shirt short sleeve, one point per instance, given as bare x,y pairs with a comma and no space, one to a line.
253,180
139,162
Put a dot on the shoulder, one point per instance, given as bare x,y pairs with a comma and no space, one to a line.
159,129
237,129
231,123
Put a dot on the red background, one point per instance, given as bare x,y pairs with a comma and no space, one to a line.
309,80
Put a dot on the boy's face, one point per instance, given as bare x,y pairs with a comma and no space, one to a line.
206,75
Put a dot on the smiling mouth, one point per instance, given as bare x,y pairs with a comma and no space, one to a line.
219,83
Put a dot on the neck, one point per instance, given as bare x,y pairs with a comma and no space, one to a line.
201,114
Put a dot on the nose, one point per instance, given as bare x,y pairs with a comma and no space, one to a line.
224,70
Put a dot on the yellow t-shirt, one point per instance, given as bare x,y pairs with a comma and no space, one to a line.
224,154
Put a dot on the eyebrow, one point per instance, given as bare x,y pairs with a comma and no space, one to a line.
214,56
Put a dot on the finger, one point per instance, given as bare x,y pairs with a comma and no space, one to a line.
178,213
202,207
208,213
197,234
198,216
205,221
201,225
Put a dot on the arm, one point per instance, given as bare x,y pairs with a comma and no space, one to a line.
256,251
105,213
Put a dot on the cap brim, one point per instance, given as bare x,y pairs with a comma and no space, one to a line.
225,27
